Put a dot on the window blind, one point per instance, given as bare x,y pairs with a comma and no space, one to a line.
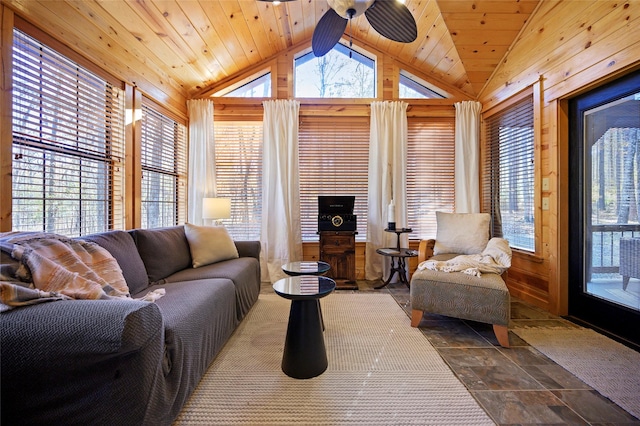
508,174
430,173
164,169
238,147
334,159
68,142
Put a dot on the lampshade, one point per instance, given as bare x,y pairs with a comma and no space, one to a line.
216,208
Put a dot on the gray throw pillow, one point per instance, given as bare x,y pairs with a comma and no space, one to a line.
164,251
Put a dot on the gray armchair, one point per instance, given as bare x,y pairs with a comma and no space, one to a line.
484,298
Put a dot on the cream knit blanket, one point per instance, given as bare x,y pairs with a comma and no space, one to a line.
495,259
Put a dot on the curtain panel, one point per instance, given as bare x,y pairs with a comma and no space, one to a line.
202,171
387,182
467,157
281,234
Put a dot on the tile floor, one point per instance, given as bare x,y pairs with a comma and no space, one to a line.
515,386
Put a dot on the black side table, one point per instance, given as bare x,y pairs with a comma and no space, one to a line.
399,232
398,257
398,263
304,354
305,268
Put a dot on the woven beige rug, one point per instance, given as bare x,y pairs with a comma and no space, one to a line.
604,364
381,371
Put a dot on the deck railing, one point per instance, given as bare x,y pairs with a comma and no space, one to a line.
605,243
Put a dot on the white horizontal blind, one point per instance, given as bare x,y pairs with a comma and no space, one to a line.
68,142
508,174
164,169
430,173
334,157
238,147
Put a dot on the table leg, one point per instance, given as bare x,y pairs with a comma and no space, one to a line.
391,274
398,266
402,271
304,351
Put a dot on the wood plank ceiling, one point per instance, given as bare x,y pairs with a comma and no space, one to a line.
196,44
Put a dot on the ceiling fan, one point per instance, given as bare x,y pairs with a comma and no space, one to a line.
391,18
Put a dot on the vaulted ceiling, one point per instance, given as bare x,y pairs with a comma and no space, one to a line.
199,43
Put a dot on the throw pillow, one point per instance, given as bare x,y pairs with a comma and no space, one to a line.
209,244
164,251
461,233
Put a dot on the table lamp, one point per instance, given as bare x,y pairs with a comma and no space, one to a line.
216,209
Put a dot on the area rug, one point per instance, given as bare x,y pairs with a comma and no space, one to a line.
604,364
381,371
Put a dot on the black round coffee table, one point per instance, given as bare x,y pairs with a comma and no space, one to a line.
305,267
304,352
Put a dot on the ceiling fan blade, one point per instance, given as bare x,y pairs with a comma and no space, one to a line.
328,32
392,20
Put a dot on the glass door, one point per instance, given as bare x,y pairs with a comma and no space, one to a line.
604,154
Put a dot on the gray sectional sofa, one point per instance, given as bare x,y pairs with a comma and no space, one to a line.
125,362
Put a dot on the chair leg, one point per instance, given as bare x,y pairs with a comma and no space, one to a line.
416,317
502,334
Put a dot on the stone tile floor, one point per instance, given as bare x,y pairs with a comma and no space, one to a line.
515,386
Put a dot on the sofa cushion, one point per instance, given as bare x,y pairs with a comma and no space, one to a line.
123,249
164,251
199,317
461,233
209,244
243,272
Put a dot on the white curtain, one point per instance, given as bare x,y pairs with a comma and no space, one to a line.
387,181
467,157
281,234
202,173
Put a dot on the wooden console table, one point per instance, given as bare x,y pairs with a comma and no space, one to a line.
338,249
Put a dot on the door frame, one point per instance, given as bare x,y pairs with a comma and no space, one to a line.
617,321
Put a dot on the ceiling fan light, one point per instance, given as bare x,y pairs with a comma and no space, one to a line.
343,6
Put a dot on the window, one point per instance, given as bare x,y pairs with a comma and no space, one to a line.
257,88
341,73
334,160
164,169
508,174
68,138
412,87
239,175
430,173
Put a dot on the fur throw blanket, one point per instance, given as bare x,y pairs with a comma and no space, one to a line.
495,259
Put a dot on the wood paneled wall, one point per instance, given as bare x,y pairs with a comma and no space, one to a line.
6,35
568,47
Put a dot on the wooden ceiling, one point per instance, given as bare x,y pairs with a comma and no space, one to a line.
196,44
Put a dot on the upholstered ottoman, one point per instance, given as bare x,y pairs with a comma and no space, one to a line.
456,294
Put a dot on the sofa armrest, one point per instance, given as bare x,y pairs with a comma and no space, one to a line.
86,360
90,327
425,250
248,248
